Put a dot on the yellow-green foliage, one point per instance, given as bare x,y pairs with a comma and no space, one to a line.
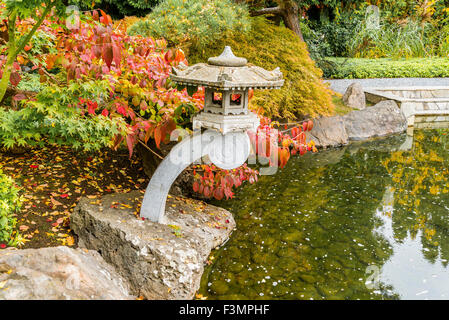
183,22
271,46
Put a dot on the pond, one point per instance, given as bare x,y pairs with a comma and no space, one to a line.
368,221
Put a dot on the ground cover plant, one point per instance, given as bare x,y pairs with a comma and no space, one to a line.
10,202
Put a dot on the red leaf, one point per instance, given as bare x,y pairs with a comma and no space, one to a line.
310,125
108,54
196,186
15,78
130,144
64,195
304,126
157,136
302,138
179,55
218,194
206,191
95,15
168,56
117,54
19,96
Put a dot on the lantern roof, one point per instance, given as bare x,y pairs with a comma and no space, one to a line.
227,72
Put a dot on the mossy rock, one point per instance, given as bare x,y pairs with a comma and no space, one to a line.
270,46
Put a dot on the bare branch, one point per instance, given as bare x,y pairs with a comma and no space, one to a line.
274,10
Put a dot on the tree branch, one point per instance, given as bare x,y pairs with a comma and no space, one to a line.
273,10
27,38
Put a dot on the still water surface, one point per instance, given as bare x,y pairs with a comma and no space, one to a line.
369,221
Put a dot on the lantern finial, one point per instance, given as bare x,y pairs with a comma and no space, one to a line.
227,59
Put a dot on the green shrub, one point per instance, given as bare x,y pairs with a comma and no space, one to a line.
271,46
184,22
332,38
54,115
30,82
407,29
10,202
359,68
391,40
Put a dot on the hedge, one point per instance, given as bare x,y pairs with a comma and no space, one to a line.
359,68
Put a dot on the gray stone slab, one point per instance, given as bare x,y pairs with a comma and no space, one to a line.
340,85
160,261
58,273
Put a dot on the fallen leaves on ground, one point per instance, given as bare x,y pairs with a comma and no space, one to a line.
52,179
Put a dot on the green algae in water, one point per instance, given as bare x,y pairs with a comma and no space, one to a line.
312,230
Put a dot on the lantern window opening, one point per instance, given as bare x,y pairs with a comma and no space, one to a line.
235,99
217,98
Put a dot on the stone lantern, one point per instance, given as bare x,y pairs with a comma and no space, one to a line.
227,80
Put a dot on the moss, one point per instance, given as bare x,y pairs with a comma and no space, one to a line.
304,94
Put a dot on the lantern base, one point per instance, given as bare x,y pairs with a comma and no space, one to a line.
226,123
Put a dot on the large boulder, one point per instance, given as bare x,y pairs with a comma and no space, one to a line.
159,261
58,273
328,132
354,96
382,119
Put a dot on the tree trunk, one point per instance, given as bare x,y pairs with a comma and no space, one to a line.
290,14
288,10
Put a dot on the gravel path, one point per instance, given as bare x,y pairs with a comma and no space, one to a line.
342,84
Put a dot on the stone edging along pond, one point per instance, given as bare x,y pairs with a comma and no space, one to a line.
382,119
136,258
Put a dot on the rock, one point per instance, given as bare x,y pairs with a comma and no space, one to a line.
379,120
159,261
354,96
328,132
58,273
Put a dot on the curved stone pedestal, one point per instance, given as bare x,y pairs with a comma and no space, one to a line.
225,151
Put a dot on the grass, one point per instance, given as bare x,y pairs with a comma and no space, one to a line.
361,68
340,108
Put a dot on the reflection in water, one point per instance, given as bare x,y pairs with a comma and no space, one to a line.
312,230
418,267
